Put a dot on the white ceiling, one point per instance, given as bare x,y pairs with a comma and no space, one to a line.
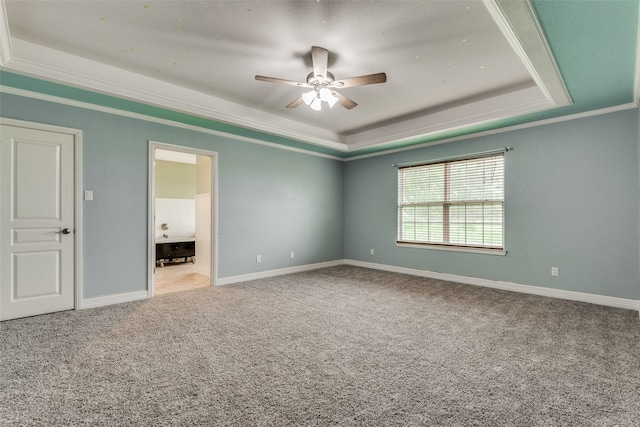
448,63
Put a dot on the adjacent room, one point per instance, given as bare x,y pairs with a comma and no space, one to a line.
181,217
320,213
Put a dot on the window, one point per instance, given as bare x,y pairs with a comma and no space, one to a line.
456,203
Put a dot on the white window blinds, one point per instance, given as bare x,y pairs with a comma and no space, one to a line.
454,203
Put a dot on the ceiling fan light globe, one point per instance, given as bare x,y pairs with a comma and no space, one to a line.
332,100
316,104
308,97
325,94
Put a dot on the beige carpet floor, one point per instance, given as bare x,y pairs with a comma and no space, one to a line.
342,346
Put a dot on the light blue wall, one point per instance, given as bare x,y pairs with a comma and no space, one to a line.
271,201
638,260
571,201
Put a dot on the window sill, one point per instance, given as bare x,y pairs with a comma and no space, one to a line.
497,252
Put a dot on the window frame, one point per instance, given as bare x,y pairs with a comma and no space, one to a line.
447,203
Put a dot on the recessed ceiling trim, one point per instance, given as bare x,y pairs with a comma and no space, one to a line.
473,113
5,37
490,132
636,73
95,107
516,19
518,22
49,64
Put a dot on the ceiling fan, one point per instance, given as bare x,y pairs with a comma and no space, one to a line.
323,83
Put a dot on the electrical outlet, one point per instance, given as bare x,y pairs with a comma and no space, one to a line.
293,255
258,258
372,252
88,195
554,271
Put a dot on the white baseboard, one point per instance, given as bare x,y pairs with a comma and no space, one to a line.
625,303
630,304
221,281
113,299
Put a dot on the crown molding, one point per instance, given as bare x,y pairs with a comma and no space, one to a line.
6,52
138,116
79,104
52,65
486,110
636,74
569,117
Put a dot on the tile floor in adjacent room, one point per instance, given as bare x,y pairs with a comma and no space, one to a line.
178,277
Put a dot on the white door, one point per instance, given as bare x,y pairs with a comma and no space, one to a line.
37,244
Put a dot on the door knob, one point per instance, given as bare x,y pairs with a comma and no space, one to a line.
65,231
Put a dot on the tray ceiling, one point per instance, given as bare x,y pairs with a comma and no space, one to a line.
450,64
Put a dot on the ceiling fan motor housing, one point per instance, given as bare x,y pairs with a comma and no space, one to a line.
318,80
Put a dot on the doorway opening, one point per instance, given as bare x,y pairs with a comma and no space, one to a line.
182,207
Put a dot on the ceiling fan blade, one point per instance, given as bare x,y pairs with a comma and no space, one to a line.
362,80
344,101
320,59
295,103
282,81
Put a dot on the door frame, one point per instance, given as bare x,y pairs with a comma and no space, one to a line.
77,195
151,250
